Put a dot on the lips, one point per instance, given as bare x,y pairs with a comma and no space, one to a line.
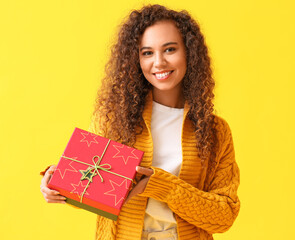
162,75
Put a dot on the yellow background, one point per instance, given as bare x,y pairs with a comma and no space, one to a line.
52,55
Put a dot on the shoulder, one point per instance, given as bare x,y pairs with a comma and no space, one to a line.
221,126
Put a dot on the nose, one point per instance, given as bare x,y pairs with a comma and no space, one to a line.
159,60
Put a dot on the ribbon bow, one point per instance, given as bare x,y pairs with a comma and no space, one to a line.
93,170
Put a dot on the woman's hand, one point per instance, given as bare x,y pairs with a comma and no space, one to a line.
140,186
51,196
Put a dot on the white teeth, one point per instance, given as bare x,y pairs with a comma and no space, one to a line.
162,75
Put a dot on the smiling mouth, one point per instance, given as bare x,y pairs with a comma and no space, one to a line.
162,75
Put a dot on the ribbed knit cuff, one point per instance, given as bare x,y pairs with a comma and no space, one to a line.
159,185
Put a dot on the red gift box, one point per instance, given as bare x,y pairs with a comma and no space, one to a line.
95,173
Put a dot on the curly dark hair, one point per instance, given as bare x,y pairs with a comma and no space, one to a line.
121,98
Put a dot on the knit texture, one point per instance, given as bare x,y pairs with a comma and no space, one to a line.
204,202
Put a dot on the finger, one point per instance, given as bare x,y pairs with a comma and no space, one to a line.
51,169
55,201
45,180
48,191
145,171
48,175
139,188
54,198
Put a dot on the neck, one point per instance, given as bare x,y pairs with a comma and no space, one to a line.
171,98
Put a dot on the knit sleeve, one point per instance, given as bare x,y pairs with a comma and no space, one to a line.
214,210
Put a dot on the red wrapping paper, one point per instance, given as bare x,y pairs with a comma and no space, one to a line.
95,173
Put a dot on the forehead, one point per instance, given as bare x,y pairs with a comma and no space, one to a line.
160,33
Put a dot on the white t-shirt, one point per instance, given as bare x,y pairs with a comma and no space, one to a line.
166,128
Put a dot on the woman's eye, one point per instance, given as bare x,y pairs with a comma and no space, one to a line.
171,49
147,53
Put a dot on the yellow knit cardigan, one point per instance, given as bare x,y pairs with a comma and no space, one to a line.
204,202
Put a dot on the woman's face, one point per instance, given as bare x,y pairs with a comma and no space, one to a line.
162,56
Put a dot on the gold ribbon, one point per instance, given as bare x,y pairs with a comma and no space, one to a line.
94,169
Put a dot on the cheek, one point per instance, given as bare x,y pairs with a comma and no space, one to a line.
144,65
182,65
141,63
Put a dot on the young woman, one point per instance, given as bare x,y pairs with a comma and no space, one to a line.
157,97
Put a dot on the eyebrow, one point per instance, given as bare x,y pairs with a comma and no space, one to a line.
164,45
